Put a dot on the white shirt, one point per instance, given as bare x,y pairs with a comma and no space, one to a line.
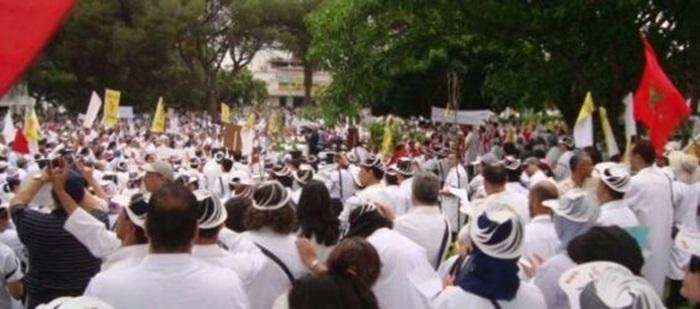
124,257
247,265
617,212
169,281
340,184
650,199
236,242
426,226
92,233
547,279
561,169
403,204
517,187
400,257
272,281
517,201
372,193
11,271
537,177
540,238
456,178
453,297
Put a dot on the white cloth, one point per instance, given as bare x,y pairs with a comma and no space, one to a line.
236,242
561,169
400,256
403,204
686,201
517,201
536,178
247,265
457,179
272,281
541,238
650,199
617,213
372,193
169,281
517,188
547,279
92,233
426,226
11,271
528,296
340,184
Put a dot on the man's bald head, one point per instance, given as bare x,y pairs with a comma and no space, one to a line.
542,191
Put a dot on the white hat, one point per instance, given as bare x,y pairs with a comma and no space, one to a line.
304,174
511,163
573,205
373,162
496,217
615,176
138,208
607,284
212,211
270,195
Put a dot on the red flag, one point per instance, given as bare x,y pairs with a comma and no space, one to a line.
20,144
657,102
25,27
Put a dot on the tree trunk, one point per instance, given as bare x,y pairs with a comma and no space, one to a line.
308,80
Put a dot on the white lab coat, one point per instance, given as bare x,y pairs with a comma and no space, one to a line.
617,213
426,226
169,281
457,179
400,257
541,238
272,281
650,199
453,297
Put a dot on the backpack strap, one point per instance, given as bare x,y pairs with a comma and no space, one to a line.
277,261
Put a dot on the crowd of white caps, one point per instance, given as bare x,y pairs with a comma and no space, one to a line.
497,223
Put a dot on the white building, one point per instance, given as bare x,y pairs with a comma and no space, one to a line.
284,77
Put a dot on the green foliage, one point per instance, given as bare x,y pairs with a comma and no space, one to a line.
244,89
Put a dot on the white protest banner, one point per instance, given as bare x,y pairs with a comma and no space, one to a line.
93,109
126,112
473,117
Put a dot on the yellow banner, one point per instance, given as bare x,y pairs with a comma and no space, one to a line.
159,118
110,115
31,126
225,113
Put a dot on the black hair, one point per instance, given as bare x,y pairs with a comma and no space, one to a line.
494,173
391,179
607,243
227,165
315,214
236,208
171,220
645,149
331,291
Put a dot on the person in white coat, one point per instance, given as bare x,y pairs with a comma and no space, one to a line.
405,274
169,277
271,223
340,183
457,179
404,175
614,183
370,178
424,223
541,239
650,198
247,264
490,279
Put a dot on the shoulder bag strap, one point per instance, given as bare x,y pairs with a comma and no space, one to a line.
277,261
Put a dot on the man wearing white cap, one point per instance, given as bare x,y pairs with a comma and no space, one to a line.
169,277
650,198
158,174
615,182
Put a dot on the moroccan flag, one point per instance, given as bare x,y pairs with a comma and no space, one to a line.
25,27
20,144
657,102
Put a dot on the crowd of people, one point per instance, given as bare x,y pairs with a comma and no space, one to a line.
498,215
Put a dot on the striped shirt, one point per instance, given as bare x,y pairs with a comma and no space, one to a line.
57,261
